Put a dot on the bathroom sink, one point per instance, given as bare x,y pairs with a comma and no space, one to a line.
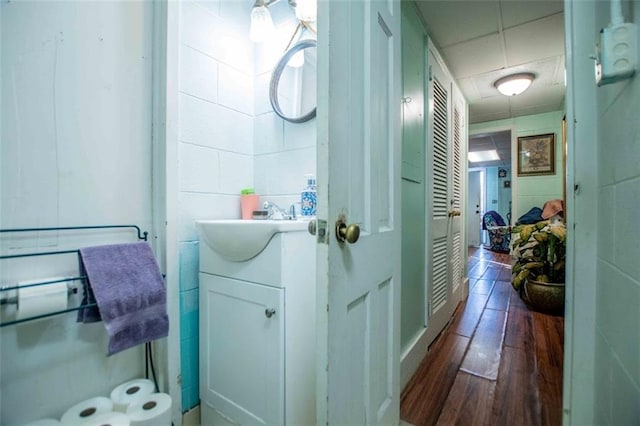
239,240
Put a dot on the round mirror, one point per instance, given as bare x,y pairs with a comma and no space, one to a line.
293,83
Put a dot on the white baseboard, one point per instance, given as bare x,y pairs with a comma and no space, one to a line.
412,356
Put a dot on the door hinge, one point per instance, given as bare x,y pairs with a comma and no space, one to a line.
327,307
430,73
429,309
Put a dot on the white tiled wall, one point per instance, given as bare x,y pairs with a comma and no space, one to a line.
618,278
229,136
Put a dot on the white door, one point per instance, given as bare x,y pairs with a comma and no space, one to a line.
474,212
444,189
359,181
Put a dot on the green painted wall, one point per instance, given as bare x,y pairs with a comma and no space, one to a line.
413,176
532,191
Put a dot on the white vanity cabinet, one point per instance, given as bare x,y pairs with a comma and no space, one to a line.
257,334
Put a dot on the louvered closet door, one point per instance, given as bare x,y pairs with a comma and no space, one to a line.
439,199
457,140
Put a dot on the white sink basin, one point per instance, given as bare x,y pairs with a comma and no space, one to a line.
239,240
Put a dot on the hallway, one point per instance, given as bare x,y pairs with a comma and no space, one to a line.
496,363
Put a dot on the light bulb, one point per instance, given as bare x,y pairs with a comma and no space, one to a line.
261,24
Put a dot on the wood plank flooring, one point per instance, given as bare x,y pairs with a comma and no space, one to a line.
496,363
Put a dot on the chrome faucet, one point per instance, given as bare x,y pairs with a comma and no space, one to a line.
276,212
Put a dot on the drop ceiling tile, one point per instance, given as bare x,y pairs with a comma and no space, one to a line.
481,55
536,109
482,117
535,41
517,12
469,89
451,22
553,95
480,144
496,106
544,96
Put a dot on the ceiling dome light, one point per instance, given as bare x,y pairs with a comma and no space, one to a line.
515,84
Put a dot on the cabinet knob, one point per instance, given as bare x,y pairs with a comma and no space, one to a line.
269,312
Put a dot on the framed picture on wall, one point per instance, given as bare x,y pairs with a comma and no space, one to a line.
536,155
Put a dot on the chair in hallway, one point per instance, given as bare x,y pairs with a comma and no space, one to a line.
499,231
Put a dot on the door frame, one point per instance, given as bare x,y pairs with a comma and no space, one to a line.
514,160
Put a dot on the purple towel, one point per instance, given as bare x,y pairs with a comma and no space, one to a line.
129,291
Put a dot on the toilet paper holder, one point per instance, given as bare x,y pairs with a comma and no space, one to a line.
13,300
72,289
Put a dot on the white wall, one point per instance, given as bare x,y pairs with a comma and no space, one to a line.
229,138
617,357
76,150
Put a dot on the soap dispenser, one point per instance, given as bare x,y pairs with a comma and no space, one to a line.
308,197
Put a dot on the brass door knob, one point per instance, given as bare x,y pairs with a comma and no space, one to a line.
346,233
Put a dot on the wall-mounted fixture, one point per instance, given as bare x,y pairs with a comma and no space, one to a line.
262,24
617,51
514,84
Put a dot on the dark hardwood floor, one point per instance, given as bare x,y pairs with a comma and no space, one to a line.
496,363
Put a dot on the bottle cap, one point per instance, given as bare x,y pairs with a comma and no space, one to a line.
247,191
311,179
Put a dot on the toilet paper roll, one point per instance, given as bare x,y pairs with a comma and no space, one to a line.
153,410
41,299
128,392
44,422
109,419
86,410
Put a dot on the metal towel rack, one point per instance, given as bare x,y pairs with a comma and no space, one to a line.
141,236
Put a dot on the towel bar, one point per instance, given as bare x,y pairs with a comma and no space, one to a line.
9,300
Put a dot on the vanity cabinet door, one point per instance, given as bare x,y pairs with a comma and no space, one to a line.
242,349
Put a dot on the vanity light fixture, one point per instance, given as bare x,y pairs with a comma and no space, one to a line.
514,84
262,24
